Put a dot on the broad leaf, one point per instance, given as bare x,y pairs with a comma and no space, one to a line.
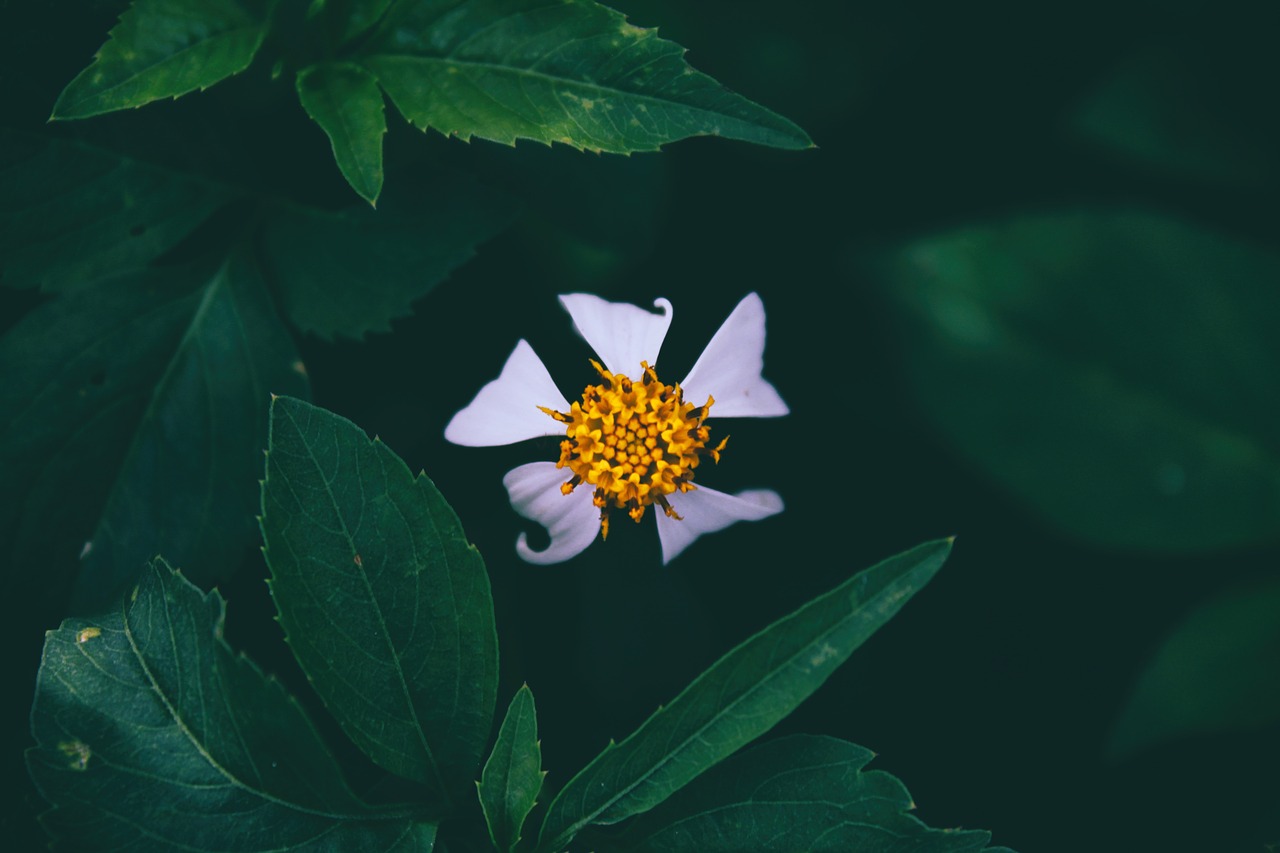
1118,371
739,698
352,271
72,214
802,792
345,101
163,49
573,72
152,734
1217,672
384,602
513,774
131,422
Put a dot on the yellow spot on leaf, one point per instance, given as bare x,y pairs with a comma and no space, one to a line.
78,753
84,635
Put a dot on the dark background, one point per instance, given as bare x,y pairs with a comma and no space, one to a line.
993,693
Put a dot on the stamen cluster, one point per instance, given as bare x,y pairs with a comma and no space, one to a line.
634,442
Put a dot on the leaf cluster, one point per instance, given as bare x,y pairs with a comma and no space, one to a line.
152,733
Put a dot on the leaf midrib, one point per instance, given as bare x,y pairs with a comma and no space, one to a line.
99,94
377,607
671,754
593,87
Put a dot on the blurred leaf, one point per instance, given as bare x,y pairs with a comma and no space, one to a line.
71,214
1120,372
152,734
1218,672
361,15
573,72
513,774
739,698
802,792
345,101
1157,110
134,413
352,271
163,49
354,540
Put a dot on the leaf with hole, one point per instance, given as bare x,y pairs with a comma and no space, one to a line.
152,734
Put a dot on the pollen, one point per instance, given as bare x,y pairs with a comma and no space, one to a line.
633,442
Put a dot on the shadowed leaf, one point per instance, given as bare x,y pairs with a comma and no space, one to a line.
152,734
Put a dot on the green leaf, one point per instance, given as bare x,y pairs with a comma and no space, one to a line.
574,72
739,698
1118,371
134,419
152,734
802,792
344,100
163,49
1215,673
1156,110
72,214
349,272
384,602
513,774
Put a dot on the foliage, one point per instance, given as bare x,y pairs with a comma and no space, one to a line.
149,727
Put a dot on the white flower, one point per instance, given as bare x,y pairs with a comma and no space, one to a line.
628,444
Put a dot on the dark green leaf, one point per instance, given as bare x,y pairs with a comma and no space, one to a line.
739,698
344,100
72,214
163,49
385,603
1216,673
1118,371
798,793
361,15
513,774
134,419
152,734
352,271
574,72
1157,110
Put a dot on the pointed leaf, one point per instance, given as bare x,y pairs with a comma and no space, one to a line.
384,602
345,101
134,419
739,698
72,214
802,792
574,72
349,272
513,774
1118,371
152,734
163,49
1215,673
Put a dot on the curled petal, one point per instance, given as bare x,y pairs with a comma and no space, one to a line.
572,520
706,511
730,367
623,335
506,410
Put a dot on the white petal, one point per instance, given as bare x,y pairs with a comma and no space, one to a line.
506,410
729,368
623,335
705,510
572,520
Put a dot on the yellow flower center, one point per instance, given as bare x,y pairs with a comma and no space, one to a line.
633,442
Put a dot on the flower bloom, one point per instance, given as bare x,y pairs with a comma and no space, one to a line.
631,442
